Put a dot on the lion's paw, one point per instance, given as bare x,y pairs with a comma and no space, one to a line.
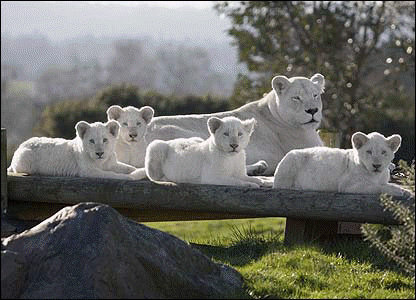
258,168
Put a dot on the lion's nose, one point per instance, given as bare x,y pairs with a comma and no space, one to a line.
234,146
99,154
132,135
376,166
311,111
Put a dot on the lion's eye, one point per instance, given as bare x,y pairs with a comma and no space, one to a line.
315,96
226,134
240,134
105,140
296,98
369,152
125,124
138,123
383,152
92,141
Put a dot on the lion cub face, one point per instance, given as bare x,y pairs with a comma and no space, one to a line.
98,139
133,121
230,134
375,151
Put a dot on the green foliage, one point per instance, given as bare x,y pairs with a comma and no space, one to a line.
397,242
123,94
192,105
367,61
59,119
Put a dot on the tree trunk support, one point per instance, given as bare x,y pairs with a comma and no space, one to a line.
299,231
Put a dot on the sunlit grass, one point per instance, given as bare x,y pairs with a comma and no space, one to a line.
254,247
218,232
307,272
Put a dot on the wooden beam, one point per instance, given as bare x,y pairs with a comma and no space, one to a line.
39,211
145,196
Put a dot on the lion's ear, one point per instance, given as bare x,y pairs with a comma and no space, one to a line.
147,113
394,142
249,125
114,112
213,124
358,139
113,127
81,128
280,83
319,80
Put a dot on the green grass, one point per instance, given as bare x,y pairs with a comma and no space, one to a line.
346,268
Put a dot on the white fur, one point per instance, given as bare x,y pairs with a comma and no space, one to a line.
363,169
283,122
218,160
89,154
131,144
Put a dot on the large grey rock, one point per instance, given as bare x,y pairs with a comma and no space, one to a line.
91,251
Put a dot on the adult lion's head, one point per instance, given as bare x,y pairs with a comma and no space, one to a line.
298,100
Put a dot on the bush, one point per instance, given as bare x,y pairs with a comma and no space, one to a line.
59,119
397,242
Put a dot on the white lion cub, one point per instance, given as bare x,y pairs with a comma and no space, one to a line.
131,144
218,160
89,154
363,169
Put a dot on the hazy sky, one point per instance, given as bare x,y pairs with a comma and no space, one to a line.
163,20
167,4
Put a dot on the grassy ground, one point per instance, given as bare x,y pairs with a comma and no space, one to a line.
347,268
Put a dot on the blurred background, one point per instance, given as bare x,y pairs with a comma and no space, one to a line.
66,61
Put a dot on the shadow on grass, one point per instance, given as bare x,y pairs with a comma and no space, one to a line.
355,248
247,245
236,255
247,248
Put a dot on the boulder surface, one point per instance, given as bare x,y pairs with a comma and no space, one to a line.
89,250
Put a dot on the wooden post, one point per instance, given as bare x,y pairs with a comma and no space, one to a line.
300,231
331,138
3,172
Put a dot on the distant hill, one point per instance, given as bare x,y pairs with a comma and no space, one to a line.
38,35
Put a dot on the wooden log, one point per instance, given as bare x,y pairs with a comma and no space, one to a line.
39,211
144,195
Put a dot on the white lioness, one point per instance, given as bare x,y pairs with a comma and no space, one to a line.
131,144
90,154
218,160
363,169
287,118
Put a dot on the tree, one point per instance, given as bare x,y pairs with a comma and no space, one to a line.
131,65
185,70
360,47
